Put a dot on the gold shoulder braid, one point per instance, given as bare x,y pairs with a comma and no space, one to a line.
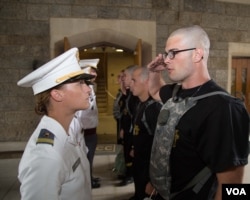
45,137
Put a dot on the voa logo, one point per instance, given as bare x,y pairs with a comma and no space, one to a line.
236,191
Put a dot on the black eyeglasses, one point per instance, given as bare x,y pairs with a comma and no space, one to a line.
171,54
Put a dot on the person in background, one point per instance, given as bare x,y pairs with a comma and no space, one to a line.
195,150
119,104
53,165
118,107
126,132
89,117
144,123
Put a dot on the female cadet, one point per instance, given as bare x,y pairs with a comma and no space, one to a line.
53,165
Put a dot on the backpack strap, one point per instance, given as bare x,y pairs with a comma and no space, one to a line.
209,94
144,120
178,86
175,91
127,102
197,182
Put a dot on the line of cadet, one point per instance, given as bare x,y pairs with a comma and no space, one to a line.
201,138
136,113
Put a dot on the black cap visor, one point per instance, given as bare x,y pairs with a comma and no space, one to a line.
85,77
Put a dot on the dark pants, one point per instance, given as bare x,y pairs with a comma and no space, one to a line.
127,143
90,137
118,139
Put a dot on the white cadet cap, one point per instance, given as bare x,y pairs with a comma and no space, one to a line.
89,63
55,72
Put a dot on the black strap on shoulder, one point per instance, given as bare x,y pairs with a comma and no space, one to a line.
144,120
197,182
178,86
175,90
209,94
127,102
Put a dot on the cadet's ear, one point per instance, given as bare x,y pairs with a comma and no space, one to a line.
198,56
57,95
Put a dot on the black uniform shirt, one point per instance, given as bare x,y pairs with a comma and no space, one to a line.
142,137
213,133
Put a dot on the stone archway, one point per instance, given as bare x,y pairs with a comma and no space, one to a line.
102,36
82,32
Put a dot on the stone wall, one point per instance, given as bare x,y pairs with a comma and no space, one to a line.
24,39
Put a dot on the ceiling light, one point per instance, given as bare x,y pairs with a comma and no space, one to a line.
119,50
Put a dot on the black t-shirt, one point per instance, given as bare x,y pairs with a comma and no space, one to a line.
214,133
128,111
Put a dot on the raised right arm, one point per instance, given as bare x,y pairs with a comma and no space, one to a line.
156,80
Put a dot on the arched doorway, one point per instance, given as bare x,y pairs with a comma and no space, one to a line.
88,33
105,48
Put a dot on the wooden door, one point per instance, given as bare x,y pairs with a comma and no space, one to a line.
241,79
66,45
138,53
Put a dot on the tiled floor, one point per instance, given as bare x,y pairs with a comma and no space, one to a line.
9,185
103,165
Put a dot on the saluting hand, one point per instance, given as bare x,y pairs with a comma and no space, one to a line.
157,64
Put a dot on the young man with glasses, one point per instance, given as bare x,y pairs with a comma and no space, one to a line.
206,145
